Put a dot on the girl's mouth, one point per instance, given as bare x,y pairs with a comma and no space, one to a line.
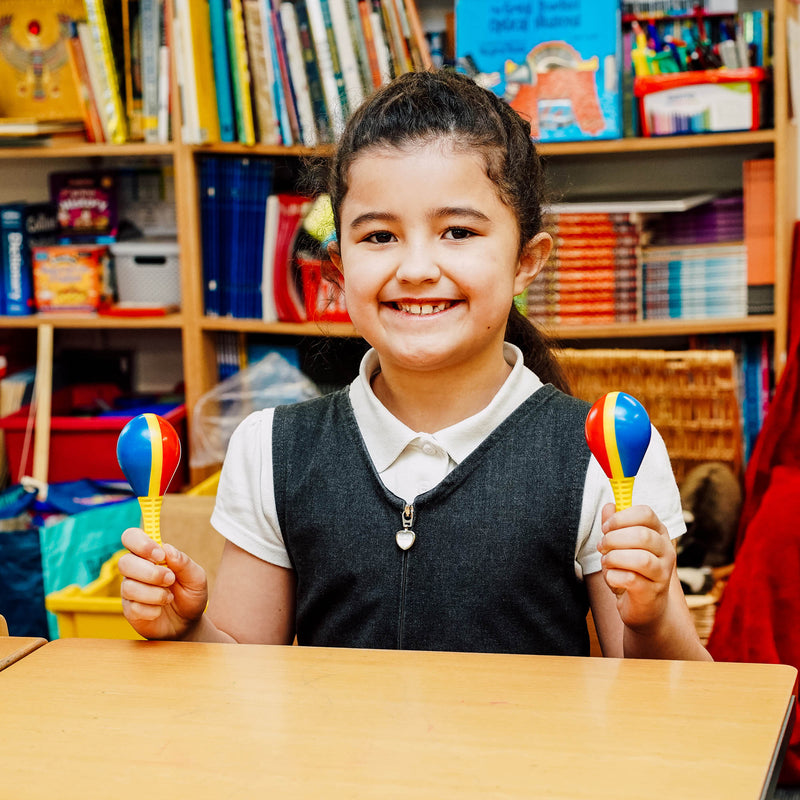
423,309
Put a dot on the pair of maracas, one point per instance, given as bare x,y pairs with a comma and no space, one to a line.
149,450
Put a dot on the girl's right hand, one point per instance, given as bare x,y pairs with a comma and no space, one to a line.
164,593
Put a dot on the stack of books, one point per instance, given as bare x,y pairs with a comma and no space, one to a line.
695,266
591,277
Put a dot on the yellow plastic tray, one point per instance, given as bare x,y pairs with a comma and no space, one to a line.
94,611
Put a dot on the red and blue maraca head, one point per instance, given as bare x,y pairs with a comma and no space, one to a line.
618,433
148,452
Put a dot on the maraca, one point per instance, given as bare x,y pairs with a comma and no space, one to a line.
618,433
148,452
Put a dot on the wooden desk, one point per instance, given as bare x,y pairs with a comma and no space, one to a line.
132,719
13,648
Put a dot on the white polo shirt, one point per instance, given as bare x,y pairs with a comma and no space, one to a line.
410,463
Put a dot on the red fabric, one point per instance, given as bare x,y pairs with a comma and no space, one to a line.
758,619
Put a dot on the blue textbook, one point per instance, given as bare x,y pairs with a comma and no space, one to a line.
557,62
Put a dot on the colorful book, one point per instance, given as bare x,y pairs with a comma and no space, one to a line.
331,77
348,62
110,96
240,66
35,78
313,77
80,73
299,77
365,14
266,96
199,79
560,70
132,60
290,122
222,71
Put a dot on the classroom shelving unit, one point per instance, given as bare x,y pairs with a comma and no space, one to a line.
622,158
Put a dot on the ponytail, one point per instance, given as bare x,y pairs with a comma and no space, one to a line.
537,349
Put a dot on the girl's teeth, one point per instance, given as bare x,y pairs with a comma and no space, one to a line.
420,309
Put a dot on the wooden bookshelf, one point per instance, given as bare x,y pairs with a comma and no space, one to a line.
198,331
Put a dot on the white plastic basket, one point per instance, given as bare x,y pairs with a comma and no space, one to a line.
147,272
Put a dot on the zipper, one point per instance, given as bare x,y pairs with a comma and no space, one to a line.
405,539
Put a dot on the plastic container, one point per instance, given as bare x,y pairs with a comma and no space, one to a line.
81,446
701,101
94,611
147,272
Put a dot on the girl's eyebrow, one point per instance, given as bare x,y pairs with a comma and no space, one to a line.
437,213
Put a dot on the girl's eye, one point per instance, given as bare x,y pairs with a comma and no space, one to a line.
379,237
458,233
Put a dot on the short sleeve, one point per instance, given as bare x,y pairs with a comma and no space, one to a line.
654,486
245,511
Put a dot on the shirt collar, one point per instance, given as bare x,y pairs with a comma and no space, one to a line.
386,437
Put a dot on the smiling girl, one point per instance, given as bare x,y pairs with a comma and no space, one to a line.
445,500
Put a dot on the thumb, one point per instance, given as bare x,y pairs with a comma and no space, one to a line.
188,573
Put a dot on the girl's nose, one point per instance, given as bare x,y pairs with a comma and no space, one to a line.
417,265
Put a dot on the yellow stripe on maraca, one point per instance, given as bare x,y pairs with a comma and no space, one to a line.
151,505
621,485
157,465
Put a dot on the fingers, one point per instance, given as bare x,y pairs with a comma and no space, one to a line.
637,543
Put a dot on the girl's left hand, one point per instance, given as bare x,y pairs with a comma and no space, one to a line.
638,559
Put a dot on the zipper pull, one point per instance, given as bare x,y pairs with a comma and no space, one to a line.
405,538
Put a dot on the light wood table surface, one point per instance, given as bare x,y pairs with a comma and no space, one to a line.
13,648
130,719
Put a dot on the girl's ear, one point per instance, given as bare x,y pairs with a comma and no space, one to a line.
534,256
335,255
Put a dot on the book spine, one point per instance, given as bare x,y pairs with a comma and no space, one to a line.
17,281
335,56
418,38
312,73
237,42
369,42
131,54
96,77
351,74
203,83
183,50
151,44
111,98
222,71
164,74
381,45
290,114
83,82
326,66
294,54
359,43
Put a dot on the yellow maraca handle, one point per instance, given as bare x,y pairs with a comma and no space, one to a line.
151,517
623,492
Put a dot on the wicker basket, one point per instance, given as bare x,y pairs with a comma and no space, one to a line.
690,395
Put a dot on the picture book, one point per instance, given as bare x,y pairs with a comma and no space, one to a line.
557,63
35,77
86,205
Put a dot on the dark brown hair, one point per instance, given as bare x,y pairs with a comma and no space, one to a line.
434,105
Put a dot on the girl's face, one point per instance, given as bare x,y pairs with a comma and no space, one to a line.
430,258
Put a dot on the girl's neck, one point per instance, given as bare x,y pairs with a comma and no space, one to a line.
430,401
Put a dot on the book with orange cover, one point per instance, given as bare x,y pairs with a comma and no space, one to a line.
759,234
